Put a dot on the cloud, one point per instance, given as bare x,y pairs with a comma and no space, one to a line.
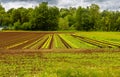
104,4
17,4
8,4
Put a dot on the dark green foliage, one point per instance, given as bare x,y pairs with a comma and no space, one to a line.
53,16
26,26
40,16
47,18
83,19
2,14
17,25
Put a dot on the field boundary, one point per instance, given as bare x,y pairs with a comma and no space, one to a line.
18,51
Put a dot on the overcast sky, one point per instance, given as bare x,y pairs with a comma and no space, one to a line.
104,4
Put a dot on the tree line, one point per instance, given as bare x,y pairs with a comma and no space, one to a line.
52,18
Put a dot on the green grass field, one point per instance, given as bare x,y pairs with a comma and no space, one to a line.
108,36
84,59
94,64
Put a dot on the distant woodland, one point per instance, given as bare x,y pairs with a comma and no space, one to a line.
52,18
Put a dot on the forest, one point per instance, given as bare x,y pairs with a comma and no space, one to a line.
51,18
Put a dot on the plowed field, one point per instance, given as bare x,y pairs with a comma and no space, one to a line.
51,40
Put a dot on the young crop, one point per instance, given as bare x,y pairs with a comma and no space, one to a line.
74,42
101,44
58,43
47,42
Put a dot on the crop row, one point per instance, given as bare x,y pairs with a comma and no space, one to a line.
101,44
51,41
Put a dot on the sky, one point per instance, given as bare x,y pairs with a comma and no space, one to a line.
104,4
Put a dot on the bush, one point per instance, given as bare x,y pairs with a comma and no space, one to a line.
26,26
17,25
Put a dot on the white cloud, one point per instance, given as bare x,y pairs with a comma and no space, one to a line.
17,4
73,3
104,4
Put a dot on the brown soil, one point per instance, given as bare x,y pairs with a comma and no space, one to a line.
27,51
